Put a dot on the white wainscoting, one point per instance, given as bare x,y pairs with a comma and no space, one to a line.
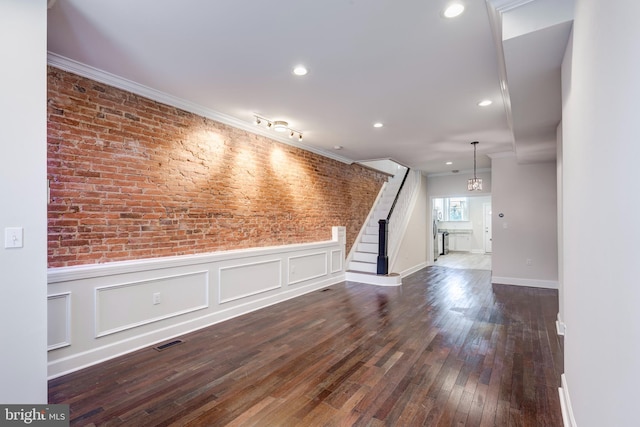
101,311
128,305
303,268
58,320
244,280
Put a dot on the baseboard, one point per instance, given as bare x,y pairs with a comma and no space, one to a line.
413,269
560,326
532,283
391,279
565,404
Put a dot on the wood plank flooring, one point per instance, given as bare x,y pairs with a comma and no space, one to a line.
447,348
466,260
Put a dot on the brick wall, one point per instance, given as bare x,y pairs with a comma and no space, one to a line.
132,178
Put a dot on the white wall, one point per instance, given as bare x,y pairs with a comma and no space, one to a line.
526,195
23,144
456,184
601,201
560,199
412,254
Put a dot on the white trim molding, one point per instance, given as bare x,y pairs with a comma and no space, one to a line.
414,269
518,281
561,328
107,78
565,404
503,6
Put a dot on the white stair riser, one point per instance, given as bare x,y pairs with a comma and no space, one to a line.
370,238
362,266
367,247
365,257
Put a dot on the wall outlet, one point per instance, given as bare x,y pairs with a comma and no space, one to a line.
529,261
156,298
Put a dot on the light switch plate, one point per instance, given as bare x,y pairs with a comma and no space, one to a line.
13,237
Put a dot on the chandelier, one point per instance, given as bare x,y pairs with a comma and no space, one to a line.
474,183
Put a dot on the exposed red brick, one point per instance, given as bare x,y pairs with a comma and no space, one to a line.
132,178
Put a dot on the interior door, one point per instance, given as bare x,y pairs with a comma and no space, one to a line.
487,227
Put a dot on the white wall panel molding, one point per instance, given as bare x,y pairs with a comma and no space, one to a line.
58,320
518,281
124,306
307,267
113,310
244,280
66,274
337,258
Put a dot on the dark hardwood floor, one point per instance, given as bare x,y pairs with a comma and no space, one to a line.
447,348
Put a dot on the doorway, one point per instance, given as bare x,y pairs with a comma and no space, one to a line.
486,208
470,234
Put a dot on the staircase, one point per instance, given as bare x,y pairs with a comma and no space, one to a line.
363,264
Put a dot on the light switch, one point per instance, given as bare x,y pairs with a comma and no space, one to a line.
13,237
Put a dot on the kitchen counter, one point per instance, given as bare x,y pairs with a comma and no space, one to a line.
455,230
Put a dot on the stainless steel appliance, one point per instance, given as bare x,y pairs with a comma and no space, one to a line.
445,243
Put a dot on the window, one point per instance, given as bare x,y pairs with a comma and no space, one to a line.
452,208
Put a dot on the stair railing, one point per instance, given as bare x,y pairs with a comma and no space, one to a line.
383,234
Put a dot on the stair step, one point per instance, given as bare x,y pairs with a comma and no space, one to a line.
365,267
365,257
367,247
370,238
371,230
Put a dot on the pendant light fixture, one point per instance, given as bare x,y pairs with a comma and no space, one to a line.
474,183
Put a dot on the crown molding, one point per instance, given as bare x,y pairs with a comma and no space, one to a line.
503,6
105,77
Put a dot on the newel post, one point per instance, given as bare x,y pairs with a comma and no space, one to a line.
383,259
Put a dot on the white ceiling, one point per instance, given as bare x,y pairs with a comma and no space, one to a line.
397,62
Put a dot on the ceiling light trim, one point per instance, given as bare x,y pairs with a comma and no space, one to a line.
110,79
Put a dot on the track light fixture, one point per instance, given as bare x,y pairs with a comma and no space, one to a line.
278,126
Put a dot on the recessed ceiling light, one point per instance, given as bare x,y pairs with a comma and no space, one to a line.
300,70
485,102
449,163
453,10
377,125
